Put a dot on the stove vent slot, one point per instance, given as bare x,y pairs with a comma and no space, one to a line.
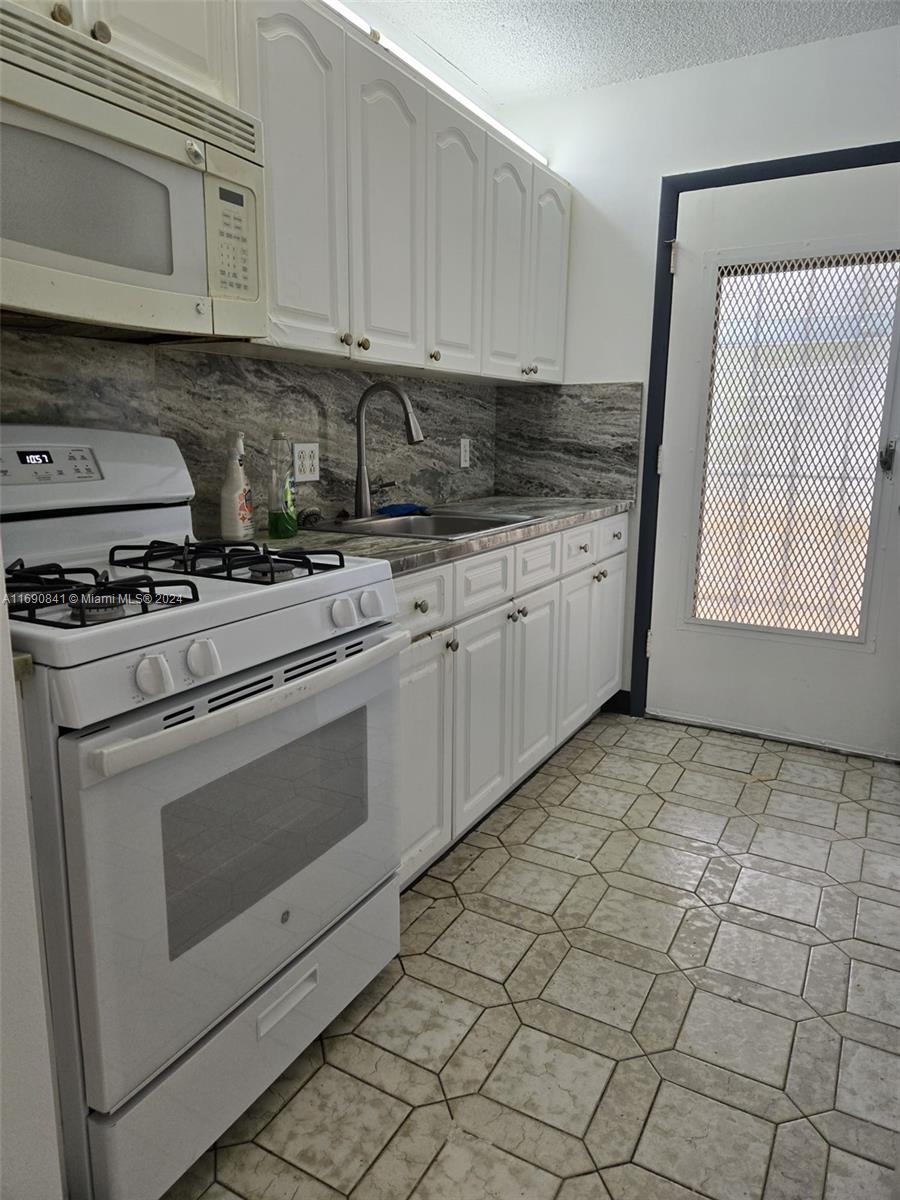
309,666
356,648
178,718
255,687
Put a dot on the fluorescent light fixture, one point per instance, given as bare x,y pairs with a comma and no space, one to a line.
421,69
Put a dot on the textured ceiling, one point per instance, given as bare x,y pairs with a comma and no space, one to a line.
518,49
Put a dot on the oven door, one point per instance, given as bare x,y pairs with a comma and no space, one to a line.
212,838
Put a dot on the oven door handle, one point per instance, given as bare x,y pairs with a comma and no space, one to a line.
135,752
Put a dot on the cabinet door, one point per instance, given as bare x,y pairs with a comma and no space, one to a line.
607,629
388,141
482,698
506,241
194,41
575,676
292,76
455,239
535,663
549,275
425,746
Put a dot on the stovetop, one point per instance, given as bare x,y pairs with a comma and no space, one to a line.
248,562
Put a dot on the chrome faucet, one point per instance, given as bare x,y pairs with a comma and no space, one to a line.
413,435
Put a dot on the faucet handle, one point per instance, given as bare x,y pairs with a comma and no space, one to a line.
381,486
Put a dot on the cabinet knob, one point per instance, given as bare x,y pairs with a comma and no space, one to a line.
453,645
618,535
61,13
364,343
600,576
347,339
585,547
526,370
523,611
421,606
533,369
436,355
512,616
101,32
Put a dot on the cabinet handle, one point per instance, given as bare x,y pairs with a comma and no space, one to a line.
526,370
453,645
364,343
523,611
617,536
421,606
62,14
101,32
534,369
512,616
347,339
600,576
436,355
585,547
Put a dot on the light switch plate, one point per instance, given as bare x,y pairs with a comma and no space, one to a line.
306,462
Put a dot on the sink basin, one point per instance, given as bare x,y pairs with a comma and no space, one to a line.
443,526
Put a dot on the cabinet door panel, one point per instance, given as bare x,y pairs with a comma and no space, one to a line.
549,276
292,76
388,141
535,672
607,630
425,742
455,239
575,677
481,704
506,241
194,42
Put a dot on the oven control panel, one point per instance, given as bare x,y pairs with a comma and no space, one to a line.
48,464
231,240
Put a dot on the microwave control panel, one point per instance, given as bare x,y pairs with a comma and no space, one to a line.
231,240
51,464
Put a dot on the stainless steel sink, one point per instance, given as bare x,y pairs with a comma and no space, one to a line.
443,526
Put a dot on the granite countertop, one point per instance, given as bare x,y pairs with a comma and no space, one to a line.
408,554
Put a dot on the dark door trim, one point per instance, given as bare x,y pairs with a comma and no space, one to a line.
670,194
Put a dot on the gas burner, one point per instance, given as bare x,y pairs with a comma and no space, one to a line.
48,594
245,562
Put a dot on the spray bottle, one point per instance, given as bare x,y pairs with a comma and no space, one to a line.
236,498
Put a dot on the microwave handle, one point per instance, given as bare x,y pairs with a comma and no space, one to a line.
135,752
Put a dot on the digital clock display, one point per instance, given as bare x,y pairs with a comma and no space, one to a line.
35,458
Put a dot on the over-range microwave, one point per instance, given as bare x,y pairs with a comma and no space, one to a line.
126,199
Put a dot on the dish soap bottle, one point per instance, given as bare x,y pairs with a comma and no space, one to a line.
282,510
236,498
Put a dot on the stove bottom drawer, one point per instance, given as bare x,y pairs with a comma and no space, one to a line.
142,1149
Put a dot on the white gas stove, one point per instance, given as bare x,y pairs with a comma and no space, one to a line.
210,737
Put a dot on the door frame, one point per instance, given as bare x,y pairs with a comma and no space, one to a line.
672,187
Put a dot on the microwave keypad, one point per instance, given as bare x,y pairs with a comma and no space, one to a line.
51,464
232,214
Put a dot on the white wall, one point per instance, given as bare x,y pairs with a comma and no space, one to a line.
615,144
29,1147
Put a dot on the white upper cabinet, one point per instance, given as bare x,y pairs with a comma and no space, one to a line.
387,115
292,76
550,208
192,40
506,259
455,239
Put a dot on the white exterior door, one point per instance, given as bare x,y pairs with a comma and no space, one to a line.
775,603
482,699
388,142
194,42
607,628
535,674
575,699
292,76
550,209
455,234
506,258
425,751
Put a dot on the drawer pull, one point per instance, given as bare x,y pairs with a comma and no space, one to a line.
523,611
618,535
585,547
453,645
512,616
421,606
275,1013
600,576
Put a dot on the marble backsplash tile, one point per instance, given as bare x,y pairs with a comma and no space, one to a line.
563,440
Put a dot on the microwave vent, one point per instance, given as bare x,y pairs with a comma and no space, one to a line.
39,45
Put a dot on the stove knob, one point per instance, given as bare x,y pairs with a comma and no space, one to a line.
370,605
203,658
153,676
343,613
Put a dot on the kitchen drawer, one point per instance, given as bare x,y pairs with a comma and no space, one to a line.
578,547
537,562
141,1149
481,581
610,536
424,599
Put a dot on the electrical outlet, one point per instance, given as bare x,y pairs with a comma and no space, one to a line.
464,459
306,462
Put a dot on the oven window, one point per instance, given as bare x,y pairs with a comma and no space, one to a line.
230,843
59,196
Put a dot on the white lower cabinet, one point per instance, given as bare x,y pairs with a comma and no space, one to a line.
425,748
536,640
607,626
575,697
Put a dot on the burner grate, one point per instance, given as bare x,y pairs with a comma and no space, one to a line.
246,562
37,594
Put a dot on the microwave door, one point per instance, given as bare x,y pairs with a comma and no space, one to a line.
100,230
205,855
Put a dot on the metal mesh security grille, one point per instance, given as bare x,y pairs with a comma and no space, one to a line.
796,402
